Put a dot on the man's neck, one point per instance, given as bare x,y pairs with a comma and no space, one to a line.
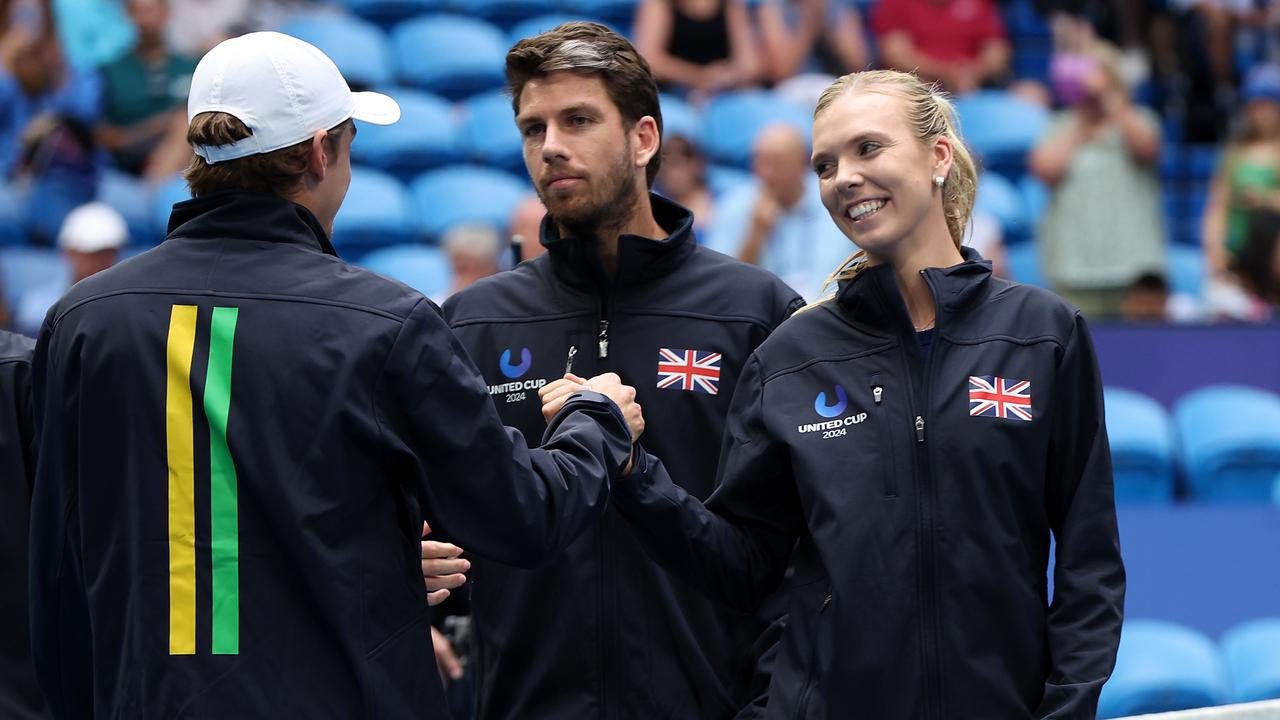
640,221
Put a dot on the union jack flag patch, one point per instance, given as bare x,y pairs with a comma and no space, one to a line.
694,370
991,396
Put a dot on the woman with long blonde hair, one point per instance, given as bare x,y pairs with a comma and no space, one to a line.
907,448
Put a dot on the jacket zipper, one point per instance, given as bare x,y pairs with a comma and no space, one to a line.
884,431
604,339
802,703
607,645
926,501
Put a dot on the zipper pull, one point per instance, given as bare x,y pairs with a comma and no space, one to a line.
604,338
568,361
919,428
825,603
877,392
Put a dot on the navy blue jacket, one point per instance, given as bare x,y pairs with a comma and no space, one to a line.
602,631
20,696
240,436
919,511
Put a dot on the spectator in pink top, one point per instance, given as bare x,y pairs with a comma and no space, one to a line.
961,43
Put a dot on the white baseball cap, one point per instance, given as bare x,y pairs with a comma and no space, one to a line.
92,227
282,88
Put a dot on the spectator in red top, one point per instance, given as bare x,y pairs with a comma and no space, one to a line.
961,43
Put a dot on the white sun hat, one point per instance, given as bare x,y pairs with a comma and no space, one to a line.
282,88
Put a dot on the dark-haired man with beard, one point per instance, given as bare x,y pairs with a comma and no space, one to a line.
602,631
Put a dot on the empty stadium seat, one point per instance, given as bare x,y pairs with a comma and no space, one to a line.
1142,447
1252,653
505,13
163,198
618,13
389,12
1230,442
1186,269
722,179
423,268
538,25
1023,261
28,268
1035,200
451,55
360,49
488,134
1162,667
376,213
731,121
679,118
1275,491
465,193
1001,199
1001,128
426,137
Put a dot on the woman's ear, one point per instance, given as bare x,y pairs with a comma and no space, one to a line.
943,156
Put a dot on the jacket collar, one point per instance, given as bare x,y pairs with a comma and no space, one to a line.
873,299
240,215
576,260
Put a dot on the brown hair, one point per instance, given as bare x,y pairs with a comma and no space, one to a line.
279,172
931,116
591,49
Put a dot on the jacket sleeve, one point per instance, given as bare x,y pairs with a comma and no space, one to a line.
477,480
1089,580
61,644
735,547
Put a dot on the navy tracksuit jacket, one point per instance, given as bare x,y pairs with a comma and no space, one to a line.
240,436
922,494
20,697
602,632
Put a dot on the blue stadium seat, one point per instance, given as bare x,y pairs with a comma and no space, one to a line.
1186,269
505,13
360,49
1142,447
679,118
377,213
450,55
1201,161
722,179
421,267
538,25
1275,491
731,121
1230,442
1001,199
389,12
488,133
1172,162
465,193
1252,652
163,198
1023,261
426,137
1161,667
1001,128
1035,200
28,268
617,13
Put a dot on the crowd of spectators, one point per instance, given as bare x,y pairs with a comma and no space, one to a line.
93,95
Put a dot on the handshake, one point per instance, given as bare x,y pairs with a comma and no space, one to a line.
554,395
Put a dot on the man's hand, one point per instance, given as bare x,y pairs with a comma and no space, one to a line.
446,659
624,396
553,395
442,568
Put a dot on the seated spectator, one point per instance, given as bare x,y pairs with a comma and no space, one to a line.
47,109
1149,300
1105,223
778,222
90,241
807,36
473,253
699,47
526,228
144,122
960,43
683,178
1248,177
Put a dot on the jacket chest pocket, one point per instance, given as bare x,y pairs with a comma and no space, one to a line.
882,420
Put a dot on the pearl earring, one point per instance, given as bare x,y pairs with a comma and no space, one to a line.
939,180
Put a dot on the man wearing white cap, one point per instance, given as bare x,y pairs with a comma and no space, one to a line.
90,240
241,436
